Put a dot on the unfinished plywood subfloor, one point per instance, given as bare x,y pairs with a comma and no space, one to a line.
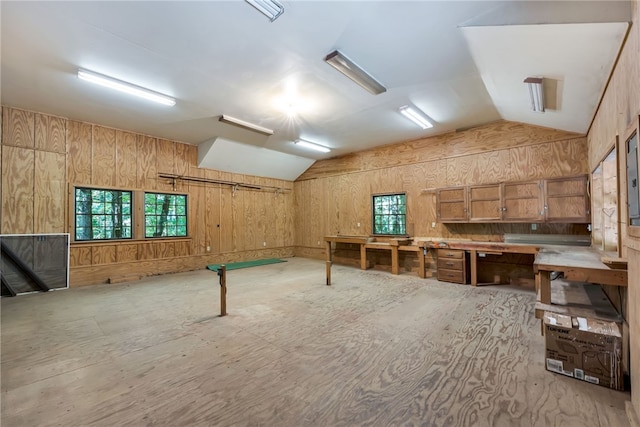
373,349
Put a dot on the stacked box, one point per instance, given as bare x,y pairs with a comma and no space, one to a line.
585,349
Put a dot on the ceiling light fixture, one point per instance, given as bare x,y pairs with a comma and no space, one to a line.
244,125
125,87
312,145
536,93
416,116
269,8
347,67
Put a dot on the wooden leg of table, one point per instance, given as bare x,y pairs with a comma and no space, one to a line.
223,290
422,269
394,260
543,286
363,257
474,267
328,273
328,251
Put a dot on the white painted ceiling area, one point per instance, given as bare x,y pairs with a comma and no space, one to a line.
461,62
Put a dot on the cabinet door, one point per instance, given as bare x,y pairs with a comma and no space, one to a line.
451,204
523,201
485,203
566,200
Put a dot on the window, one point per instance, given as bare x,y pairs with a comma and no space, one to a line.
390,214
102,214
165,215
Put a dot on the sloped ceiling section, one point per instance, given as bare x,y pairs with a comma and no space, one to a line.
230,156
575,61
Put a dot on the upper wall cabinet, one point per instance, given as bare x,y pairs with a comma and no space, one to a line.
452,204
552,200
566,200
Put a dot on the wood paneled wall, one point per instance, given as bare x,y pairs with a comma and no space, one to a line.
334,196
45,157
617,115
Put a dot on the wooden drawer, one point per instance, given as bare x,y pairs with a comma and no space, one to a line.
456,276
450,253
451,264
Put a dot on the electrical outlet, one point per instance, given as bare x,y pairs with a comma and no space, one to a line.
264,243
208,248
433,225
318,242
534,227
358,225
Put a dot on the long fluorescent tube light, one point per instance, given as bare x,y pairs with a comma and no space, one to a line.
125,87
312,146
347,67
415,116
269,8
536,93
244,125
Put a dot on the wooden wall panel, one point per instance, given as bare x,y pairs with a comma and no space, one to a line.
126,159
226,215
18,128
80,256
50,193
556,159
103,254
240,233
126,252
147,171
495,136
165,159
165,250
198,224
50,133
482,168
103,159
79,144
17,190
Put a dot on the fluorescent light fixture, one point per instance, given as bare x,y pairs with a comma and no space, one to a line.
347,67
244,125
312,146
269,8
536,93
125,87
416,116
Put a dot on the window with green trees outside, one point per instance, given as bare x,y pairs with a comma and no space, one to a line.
165,215
390,214
102,214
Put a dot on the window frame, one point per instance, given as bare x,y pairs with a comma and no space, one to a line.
91,214
374,215
632,230
144,214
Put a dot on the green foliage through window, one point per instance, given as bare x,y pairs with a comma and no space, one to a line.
390,214
102,214
165,215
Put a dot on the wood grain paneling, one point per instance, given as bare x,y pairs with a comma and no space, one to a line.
79,143
479,168
552,160
80,256
126,252
50,133
165,250
18,128
103,158
226,216
147,171
491,137
50,192
126,159
17,189
103,254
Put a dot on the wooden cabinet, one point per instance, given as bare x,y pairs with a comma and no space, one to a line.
523,201
452,204
551,200
485,203
566,200
453,266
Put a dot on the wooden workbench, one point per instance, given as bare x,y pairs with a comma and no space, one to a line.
578,263
393,246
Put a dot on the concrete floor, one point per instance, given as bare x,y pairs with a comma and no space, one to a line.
372,349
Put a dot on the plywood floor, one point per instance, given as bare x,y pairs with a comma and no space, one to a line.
373,349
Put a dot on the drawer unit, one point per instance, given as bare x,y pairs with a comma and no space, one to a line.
453,266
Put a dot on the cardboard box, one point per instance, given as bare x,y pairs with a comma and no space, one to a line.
583,348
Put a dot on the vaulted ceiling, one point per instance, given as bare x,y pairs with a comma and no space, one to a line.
461,63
